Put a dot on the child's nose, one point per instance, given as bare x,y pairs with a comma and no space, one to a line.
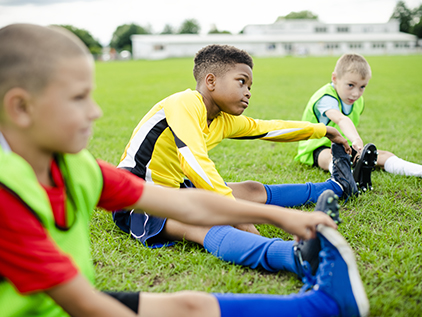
95,111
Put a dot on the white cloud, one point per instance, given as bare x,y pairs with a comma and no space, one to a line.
17,3
101,17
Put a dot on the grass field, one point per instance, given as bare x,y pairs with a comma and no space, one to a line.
384,227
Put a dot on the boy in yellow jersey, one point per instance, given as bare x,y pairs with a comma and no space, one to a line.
170,148
339,104
49,185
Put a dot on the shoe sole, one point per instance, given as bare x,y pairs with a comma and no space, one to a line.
311,248
364,167
328,203
346,252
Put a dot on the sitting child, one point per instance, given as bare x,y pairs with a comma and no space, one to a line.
172,141
339,104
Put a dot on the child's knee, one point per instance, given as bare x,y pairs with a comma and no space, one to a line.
254,187
324,158
254,191
194,303
249,190
383,156
385,153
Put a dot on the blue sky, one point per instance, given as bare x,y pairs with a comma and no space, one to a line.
101,17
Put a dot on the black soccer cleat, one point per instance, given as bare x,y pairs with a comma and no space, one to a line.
306,253
363,167
342,172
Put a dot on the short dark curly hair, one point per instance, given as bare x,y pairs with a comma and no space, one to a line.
218,59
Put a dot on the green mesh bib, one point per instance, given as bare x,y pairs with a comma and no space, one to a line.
83,179
306,148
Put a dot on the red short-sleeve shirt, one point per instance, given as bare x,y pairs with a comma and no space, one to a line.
29,259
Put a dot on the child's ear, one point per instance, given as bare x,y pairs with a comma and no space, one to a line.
210,81
16,106
334,78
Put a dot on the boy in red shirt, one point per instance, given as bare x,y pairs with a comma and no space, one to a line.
49,186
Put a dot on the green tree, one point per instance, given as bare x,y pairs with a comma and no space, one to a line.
418,11
168,29
190,26
417,29
214,30
93,45
299,15
121,36
417,18
404,15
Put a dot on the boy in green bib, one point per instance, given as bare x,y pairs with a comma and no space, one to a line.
49,185
340,104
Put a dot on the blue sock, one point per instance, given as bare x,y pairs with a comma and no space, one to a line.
248,249
291,195
312,303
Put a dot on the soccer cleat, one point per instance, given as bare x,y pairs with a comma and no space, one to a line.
364,165
328,203
306,252
342,172
338,274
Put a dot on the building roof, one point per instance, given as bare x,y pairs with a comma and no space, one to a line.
266,38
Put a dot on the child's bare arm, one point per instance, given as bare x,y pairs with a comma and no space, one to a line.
78,298
200,207
347,127
334,136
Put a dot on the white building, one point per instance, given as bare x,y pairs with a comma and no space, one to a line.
286,37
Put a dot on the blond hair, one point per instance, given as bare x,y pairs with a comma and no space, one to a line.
352,63
30,53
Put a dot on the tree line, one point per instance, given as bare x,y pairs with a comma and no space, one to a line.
120,40
410,19
410,22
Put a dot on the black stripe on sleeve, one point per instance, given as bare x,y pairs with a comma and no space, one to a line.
253,137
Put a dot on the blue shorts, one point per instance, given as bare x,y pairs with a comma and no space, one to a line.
144,227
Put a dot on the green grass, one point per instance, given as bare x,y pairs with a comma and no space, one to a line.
384,227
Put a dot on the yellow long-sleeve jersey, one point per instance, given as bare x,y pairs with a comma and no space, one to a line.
172,141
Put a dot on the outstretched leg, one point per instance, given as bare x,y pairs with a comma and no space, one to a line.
337,290
395,165
198,304
291,195
243,248
236,246
284,195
